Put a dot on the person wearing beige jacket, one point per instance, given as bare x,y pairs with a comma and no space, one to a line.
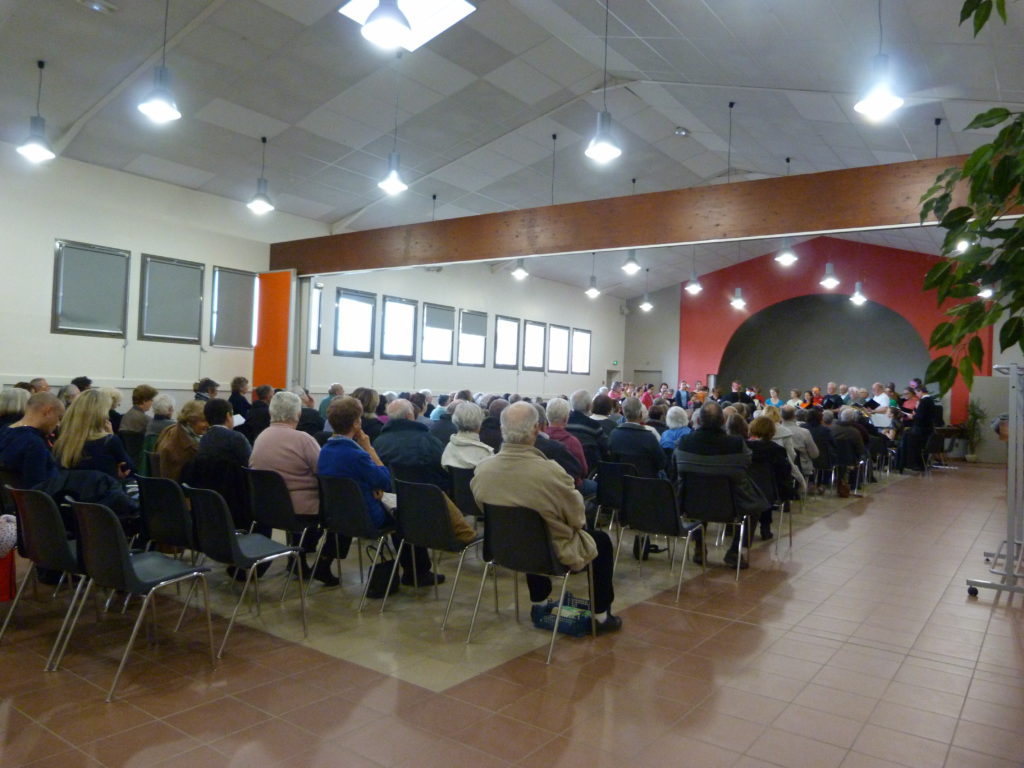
520,476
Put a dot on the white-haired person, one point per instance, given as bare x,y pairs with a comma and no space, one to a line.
464,449
12,405
294,454
678,421
520,476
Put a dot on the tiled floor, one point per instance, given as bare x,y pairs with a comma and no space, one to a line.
859,649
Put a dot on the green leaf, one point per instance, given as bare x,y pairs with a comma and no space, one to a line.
938,368
940,336
970,6
983,154
1010,333
937,274
957,217
1001,9
994,116
966,372
981,17
976,351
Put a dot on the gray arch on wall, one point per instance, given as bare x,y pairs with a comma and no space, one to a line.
810,340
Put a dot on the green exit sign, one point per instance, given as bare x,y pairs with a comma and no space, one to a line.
615,362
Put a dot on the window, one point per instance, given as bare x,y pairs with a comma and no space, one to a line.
90,290
580,351
354,325
233,318
472,338
316,297
534,346
170,300
506,342
398,339
558,349
438,334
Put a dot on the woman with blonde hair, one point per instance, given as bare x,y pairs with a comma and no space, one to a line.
178,444
86,440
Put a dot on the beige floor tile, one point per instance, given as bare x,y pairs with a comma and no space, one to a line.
899,747
793,751
918,722
1008,745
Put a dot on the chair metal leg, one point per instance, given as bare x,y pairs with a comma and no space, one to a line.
618,546
369,575
316,558
391,578
302,605
455,584
295,564
590,589
359,551
558,616
256,588
17,597
515,591
231,622
479,594
71,628
739,549
494,574
147,600
75,596
436,561
60,583
209,622
682,565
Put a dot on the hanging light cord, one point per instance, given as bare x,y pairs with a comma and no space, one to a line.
433,211
167,13
787,165
593,262
39,89
263,158
634,186
880,28
394,142
728,155
604,85
554,140
938,122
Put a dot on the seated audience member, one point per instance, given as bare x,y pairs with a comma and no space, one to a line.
407,443
656,419
604,411
632,439
585,429
369,399
832,399
86,440
163,417
259,412
294,455
819,426
12,405
206,389
82,383
239,402
333,391
764,451
736,425
419,404
557,416
542,486
803,441
441,425
24,450
850,447
464,449
784,436
67,394
137,420
554,450
178,444
442,404
39,384
709,450
114,416
222,443
310,420
349,454
678,421
490,430
428,403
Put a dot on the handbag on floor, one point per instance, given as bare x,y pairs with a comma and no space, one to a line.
380,575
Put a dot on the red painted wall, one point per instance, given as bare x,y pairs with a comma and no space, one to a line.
890,277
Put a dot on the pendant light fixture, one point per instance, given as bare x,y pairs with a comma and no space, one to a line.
879,102
387,27
829,281
603,147
694,287
406,24
520,273
392,182
36,149
786,257
159,105
962,245
858,297
986,292
260,203
631,266
738,302
645,305
593,291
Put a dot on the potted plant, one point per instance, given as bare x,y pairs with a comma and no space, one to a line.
976,419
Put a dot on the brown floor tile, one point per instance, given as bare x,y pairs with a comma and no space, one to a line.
266,743
143,746
821,726
505,737
718,728
387,741
280,696
668,750
28,742
565,753
441,714
928,725
331,717
488,692
209,722
792,751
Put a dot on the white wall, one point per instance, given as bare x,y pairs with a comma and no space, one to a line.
65,199
471,287
653,337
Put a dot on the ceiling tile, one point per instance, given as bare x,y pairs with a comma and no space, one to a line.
303,11
165,170
523,81
239,119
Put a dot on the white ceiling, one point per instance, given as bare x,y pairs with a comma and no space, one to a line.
479,104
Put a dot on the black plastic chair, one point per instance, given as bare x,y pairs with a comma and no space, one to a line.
8,479
271,507
133,442
764,479
44,542
517,538
417,473
645,466
462,493
153,463
343,512
165,515
609,489
109,565
709,498
423,521
825,465
219,541
649,504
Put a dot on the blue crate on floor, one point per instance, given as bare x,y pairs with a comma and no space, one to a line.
575,618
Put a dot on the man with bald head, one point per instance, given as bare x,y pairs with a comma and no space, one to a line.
23,445
520,476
